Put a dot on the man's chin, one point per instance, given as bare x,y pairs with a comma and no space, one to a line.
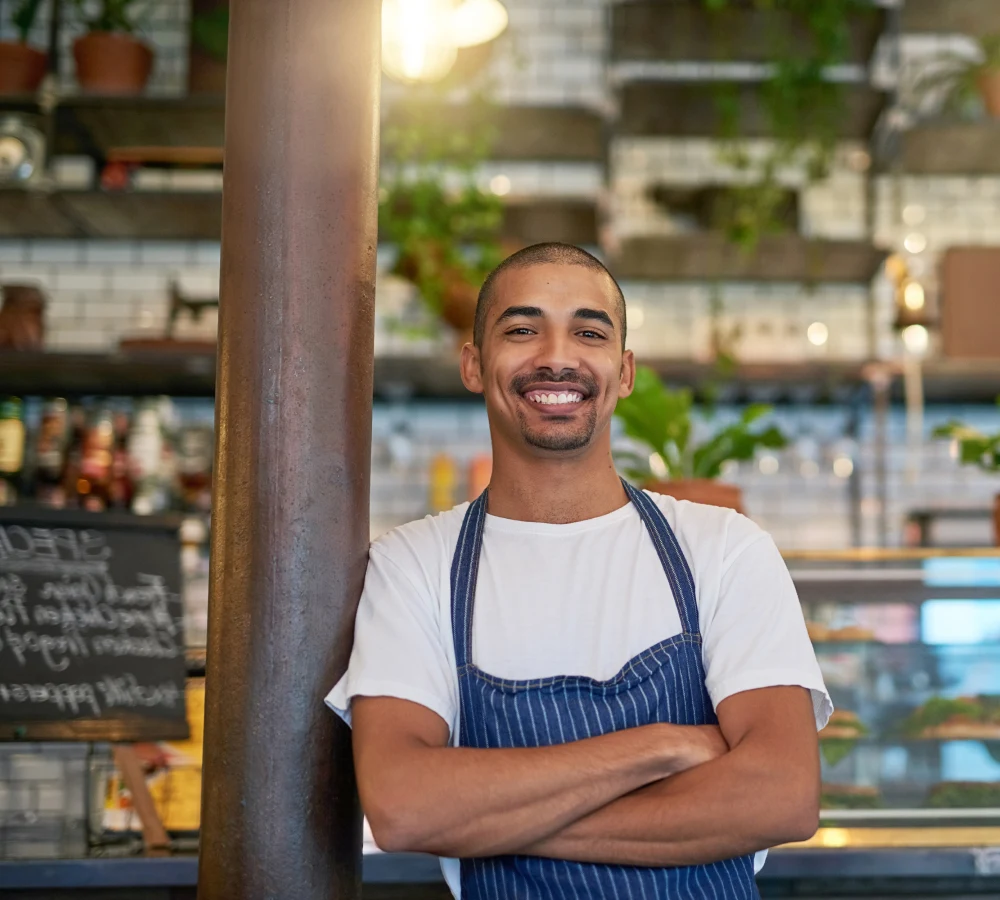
555,441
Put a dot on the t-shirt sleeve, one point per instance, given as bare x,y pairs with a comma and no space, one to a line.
398,649
755,636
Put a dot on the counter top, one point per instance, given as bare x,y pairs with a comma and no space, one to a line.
973,863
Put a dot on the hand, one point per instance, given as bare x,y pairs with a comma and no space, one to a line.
698,744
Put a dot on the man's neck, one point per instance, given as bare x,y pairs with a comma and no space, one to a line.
555,490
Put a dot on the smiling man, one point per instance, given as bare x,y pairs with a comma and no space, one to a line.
570,688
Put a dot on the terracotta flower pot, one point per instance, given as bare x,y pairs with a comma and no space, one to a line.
459,308
22,68
700,490
22,317
112,63
989,88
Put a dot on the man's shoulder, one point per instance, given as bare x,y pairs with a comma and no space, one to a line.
699,526
426,542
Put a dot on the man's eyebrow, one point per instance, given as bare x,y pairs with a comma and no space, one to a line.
597,315
513,312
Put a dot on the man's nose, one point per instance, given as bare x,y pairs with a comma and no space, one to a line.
557,353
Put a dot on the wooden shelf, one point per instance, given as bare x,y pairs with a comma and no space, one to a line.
974,17
150,373
646,30
97,126
535,133
149,215
708,257
107,215
951,148
689,109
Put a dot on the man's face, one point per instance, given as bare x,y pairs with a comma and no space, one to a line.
551,366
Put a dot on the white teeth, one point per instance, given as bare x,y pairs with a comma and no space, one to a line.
555,399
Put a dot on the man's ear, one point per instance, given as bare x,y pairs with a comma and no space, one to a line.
626,381
470,367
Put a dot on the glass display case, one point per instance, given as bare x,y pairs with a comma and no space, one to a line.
909,645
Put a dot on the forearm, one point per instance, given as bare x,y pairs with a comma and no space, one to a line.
744,801
468,802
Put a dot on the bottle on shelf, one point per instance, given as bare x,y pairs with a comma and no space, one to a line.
194,467
443,483
147,450
74,455
11,449
94,483
480,472
50,453
120,488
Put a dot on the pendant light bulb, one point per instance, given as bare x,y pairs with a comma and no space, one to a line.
417,44
477,22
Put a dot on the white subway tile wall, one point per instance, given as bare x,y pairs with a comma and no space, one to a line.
555,53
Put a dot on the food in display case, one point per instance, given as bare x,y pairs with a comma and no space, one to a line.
850,796
908,646
960,718
818,632
964,795
840,735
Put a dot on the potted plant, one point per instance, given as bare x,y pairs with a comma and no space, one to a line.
976,449
444,225
960,79
110,59
208,50
22,67
663,420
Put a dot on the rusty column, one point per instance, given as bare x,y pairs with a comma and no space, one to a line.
280,816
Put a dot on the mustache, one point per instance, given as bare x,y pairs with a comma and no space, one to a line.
520,383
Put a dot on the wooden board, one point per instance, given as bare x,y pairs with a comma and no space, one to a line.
91,627
952,148
689,109
701,257
168,215
973,17
648,30
98,125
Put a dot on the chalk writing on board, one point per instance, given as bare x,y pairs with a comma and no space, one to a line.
90,623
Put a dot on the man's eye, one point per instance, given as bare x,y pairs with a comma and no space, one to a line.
521,329
592,334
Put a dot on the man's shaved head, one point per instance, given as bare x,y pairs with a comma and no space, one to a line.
540,255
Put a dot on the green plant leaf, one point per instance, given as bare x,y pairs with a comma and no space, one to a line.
661,419
23,18
210,30
836,749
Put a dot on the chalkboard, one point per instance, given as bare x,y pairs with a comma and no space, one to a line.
91,627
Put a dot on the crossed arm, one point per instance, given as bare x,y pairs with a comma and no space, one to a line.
658,795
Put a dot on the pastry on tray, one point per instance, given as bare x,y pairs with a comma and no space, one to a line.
843,725
849,796
965,795
818,632
959,718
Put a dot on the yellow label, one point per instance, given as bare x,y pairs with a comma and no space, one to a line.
11,445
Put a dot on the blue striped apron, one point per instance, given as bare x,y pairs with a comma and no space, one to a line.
665,683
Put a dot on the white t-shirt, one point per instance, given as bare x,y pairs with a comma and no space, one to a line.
576,599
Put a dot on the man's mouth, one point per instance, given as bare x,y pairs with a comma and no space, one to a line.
551,398
555,397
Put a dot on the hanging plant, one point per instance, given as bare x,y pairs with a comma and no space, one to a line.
803,108
445,226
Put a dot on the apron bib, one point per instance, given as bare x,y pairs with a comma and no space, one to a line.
665,683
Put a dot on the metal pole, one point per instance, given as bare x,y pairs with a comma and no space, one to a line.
280,816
